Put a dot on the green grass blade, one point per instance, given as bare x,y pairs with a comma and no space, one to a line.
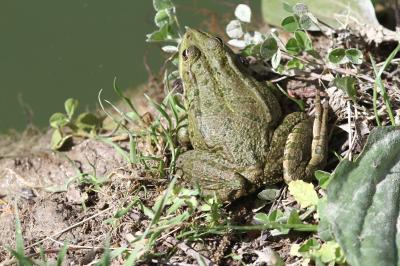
375,94
119,92
379,83
61,254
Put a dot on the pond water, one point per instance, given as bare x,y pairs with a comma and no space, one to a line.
51,50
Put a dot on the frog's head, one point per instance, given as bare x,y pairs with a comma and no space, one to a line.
202,53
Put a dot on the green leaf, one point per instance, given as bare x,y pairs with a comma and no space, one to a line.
290,24
323,178
363,201
162,18
309,245
58,120
294,64
70,106
269,194
303,193
355,56
347,84
165,33
61,254
292,46
268,48
330,252
58,140
338,56
294,218
87,121
303,40
261,218
162,4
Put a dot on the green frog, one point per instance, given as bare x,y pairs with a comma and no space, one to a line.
240,138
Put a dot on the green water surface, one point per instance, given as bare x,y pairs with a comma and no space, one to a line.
51,50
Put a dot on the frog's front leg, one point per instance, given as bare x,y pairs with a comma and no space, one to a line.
301,157
216,175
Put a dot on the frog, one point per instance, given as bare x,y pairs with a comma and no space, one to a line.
241,139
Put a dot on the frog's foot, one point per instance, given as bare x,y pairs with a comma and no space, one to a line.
299,161
214,175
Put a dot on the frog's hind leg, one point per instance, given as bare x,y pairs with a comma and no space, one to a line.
275,157
213,174
305,151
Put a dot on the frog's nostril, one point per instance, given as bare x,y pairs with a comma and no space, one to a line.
190,52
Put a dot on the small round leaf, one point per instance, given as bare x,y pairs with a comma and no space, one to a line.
303,40
290,24
243,13
337,56
355,56
161,18
87,121
295,64
268,48
70,106
58,120
234,29
292,46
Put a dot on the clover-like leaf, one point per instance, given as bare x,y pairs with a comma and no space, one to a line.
234,29
243,13
294,64
70,106
355,56
269,194
58,120
303,40
268,48
290,24
292,46
87,121
338,56
162,18
58,140
165,33
347,84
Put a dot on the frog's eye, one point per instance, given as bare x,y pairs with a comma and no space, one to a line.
219,40
190,53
